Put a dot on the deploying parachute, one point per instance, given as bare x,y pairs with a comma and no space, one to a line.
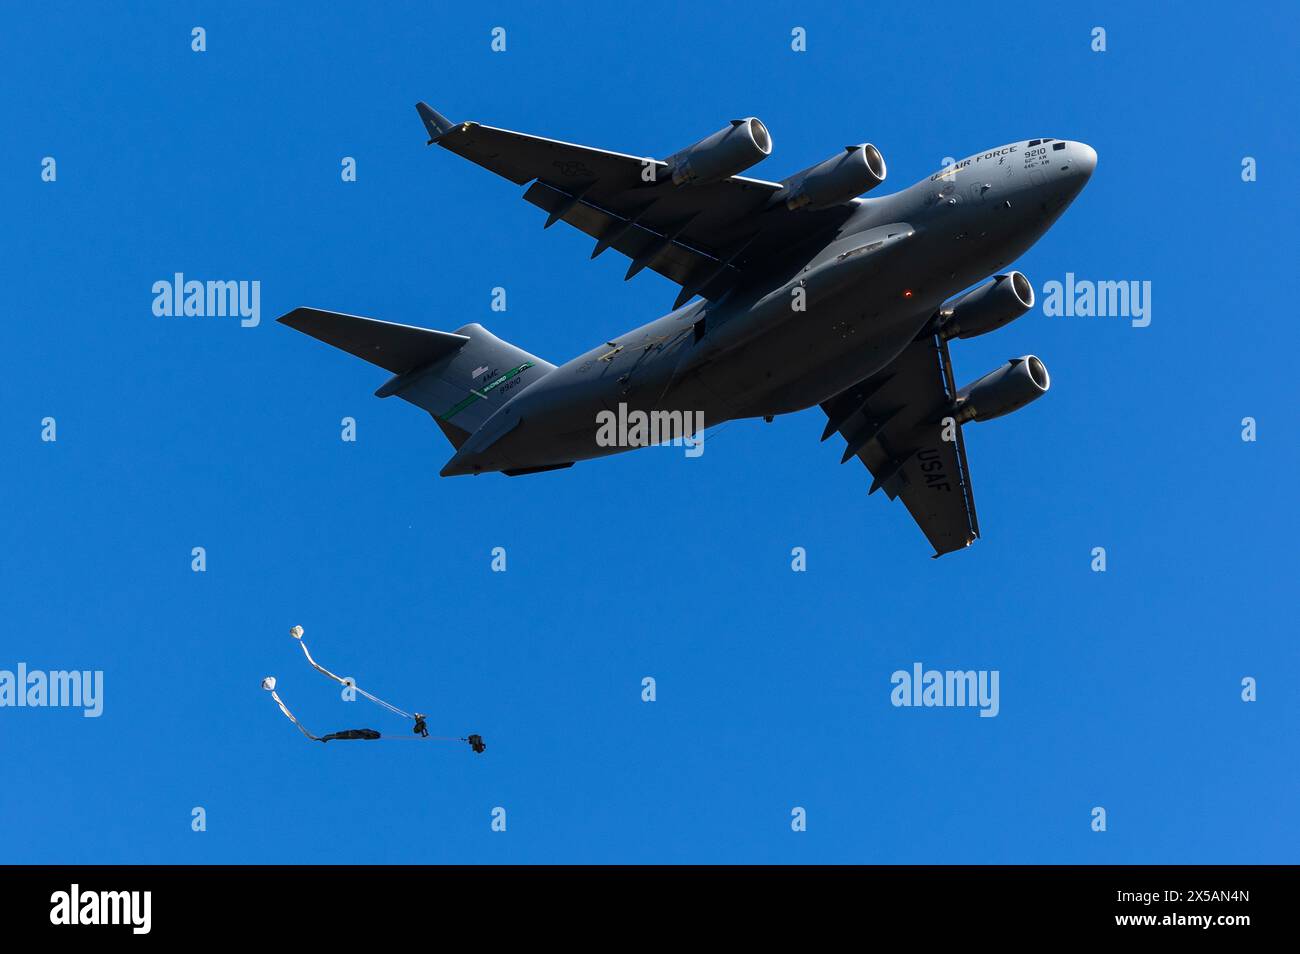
420,729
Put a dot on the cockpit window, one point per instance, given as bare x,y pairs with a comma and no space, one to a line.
1032,143
1059,145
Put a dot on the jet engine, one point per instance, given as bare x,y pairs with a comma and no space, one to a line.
1000,392
726,153
856,170
997,302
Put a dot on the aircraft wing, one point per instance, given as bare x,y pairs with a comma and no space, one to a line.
892,422
699,235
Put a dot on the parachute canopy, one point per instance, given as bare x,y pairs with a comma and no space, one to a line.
421,729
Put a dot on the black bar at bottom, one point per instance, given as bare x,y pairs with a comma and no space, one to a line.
353,901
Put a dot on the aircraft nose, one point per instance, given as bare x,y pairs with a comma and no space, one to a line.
1084,159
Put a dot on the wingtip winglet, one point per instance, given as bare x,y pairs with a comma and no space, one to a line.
435,122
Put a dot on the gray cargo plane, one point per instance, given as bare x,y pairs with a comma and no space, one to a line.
793,293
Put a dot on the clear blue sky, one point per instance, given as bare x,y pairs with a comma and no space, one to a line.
1119,690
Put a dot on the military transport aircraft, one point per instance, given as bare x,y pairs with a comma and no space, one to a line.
793,293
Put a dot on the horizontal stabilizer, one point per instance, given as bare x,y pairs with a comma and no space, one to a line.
397,348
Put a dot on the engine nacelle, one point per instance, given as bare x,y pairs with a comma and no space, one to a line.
1000,392
726,153
856,170
997,302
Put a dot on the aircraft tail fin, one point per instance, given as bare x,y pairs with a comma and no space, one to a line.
461,378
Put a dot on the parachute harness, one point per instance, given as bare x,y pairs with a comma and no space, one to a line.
421,728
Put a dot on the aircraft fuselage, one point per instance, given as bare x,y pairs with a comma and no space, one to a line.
825,314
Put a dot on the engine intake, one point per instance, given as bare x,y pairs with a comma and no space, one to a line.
1007,389
997,302
856,170
726,153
